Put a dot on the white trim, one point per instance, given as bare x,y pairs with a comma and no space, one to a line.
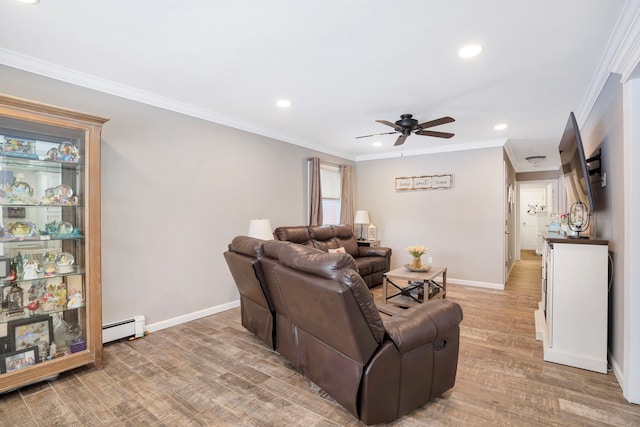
622,45
164,324
615,368
54,71
475,284
627,55
441,149
631,329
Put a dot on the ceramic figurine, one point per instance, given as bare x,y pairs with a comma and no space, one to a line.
33,306
75,299
30,270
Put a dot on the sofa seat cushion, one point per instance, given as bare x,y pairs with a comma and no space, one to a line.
371,264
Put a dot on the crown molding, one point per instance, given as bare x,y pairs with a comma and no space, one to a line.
433,150
68,75
621,56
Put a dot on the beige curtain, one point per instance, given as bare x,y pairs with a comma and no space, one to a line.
347,211
315,193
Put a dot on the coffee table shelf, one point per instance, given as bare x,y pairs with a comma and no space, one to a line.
405,288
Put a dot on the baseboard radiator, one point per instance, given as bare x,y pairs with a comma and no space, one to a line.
123,329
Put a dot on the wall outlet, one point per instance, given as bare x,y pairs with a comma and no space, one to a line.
430,260
604,179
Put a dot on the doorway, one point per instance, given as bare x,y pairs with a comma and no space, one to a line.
537,204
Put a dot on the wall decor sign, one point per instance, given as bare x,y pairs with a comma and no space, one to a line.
404,183
426,182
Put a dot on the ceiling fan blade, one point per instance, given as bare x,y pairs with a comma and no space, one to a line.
400,140
376,134
436,122
434,133
393,125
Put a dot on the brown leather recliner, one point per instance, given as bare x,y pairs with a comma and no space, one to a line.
256,308
328,327
372,262
261,308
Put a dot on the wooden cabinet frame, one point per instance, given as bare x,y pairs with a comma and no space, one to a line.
42,116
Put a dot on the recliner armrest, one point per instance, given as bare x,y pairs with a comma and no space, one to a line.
373,251
422,324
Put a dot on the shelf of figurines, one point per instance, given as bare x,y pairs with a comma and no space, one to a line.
44,165
15,191
32,152
26,231
75,271
26,314
45,296
41,337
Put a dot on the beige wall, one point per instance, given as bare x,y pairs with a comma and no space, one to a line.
462,226
604,129
176,190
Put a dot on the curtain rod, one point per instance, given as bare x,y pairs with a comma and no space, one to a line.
326,163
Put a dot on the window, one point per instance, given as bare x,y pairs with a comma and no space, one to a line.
330,181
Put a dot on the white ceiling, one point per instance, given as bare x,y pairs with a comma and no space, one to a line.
343,64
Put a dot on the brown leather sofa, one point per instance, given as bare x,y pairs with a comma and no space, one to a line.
372,262
325,323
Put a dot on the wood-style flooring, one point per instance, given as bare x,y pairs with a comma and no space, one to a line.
212,372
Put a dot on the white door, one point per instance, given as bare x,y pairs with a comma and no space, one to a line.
531,199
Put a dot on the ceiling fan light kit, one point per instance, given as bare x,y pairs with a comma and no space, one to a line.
408,125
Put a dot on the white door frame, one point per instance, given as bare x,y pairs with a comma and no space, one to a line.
518,220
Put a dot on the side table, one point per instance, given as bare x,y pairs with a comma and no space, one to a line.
413,287
372,243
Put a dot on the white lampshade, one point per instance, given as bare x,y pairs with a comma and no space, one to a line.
260,229
362,217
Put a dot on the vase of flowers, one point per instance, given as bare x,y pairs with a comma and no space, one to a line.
416,252
564,222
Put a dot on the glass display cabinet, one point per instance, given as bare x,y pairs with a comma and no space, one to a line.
50,272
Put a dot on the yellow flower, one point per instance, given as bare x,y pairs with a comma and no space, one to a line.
416,250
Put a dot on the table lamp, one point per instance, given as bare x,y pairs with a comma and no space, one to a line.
260,229
362,217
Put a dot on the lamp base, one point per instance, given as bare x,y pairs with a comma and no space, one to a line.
361,232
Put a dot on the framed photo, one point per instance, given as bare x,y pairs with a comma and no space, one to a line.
442,181
24,358
33,331
404,183
422,182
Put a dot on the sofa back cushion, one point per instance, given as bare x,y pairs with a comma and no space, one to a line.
325,297
245,267
323,237
242,259
344,236
295,234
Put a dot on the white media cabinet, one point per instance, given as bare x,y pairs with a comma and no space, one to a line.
571,320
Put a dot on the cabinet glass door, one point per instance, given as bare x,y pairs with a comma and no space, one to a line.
43,311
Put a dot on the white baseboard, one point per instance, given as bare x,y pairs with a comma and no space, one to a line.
615,368
498,286
164,324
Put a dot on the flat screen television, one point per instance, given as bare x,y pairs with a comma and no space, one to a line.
574,166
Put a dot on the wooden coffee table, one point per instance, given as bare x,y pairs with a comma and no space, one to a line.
413,287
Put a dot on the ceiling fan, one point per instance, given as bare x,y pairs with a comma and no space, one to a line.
408,125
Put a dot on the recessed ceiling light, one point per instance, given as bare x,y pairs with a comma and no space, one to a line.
29,1
470,51
500,126
377,144
283,103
